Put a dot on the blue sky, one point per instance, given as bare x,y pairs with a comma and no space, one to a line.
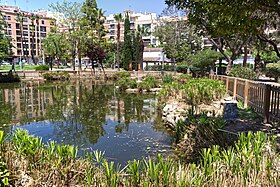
110,6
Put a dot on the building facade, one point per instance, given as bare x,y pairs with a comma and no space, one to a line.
27,31
147,20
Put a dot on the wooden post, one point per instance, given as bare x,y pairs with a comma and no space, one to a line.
267,94
246,91
235,87
227,82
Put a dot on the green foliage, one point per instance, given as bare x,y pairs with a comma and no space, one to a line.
183,78
5,42
167,79
42,68
8,78
148,83
205,59
127,45
120,75
198,91
273,70
126,82
243,72
159,68
4,174
178,38
52,76
252,161
182,68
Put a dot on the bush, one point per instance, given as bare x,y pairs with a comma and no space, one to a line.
273,70
183,78
148,83
182,68
159,68
167,79
120,75
8,78
126,82
243,72
198,91
52,76
42,68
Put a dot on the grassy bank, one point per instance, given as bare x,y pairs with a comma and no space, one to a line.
26,161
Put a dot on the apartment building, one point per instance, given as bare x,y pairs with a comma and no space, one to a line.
146,20
25,39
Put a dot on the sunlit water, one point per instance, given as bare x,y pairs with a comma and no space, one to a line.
91,115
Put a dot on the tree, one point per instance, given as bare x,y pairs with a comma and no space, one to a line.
55,47
119,19
5,42
71,14
127,46
231,24
178,37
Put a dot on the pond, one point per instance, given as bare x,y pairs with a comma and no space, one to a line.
91,115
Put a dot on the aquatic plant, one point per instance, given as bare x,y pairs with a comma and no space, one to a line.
252,161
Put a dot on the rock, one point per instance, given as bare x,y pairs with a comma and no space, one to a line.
155,89
131,90
230,110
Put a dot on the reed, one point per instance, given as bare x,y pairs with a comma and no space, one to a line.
252,161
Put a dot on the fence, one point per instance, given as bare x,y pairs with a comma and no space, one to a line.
264,98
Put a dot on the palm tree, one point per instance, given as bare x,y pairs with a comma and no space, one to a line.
119,19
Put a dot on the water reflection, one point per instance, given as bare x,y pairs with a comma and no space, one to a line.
89,114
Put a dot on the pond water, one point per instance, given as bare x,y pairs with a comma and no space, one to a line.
91,115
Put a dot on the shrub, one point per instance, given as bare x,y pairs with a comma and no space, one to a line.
166,79
182,68
148,83
243,72
198,91
159,68
272,70
120,75
126,82
42,68
183,78
52,76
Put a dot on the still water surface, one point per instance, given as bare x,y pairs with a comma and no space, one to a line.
91,115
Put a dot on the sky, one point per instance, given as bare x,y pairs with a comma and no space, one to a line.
110,6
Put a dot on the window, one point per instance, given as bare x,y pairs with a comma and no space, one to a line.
43,22
26,52
43,29
19,45
5,17
17,26
43,35
25,46
24,19
18,33
9,17
25,33
9,26
25,27
9,32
